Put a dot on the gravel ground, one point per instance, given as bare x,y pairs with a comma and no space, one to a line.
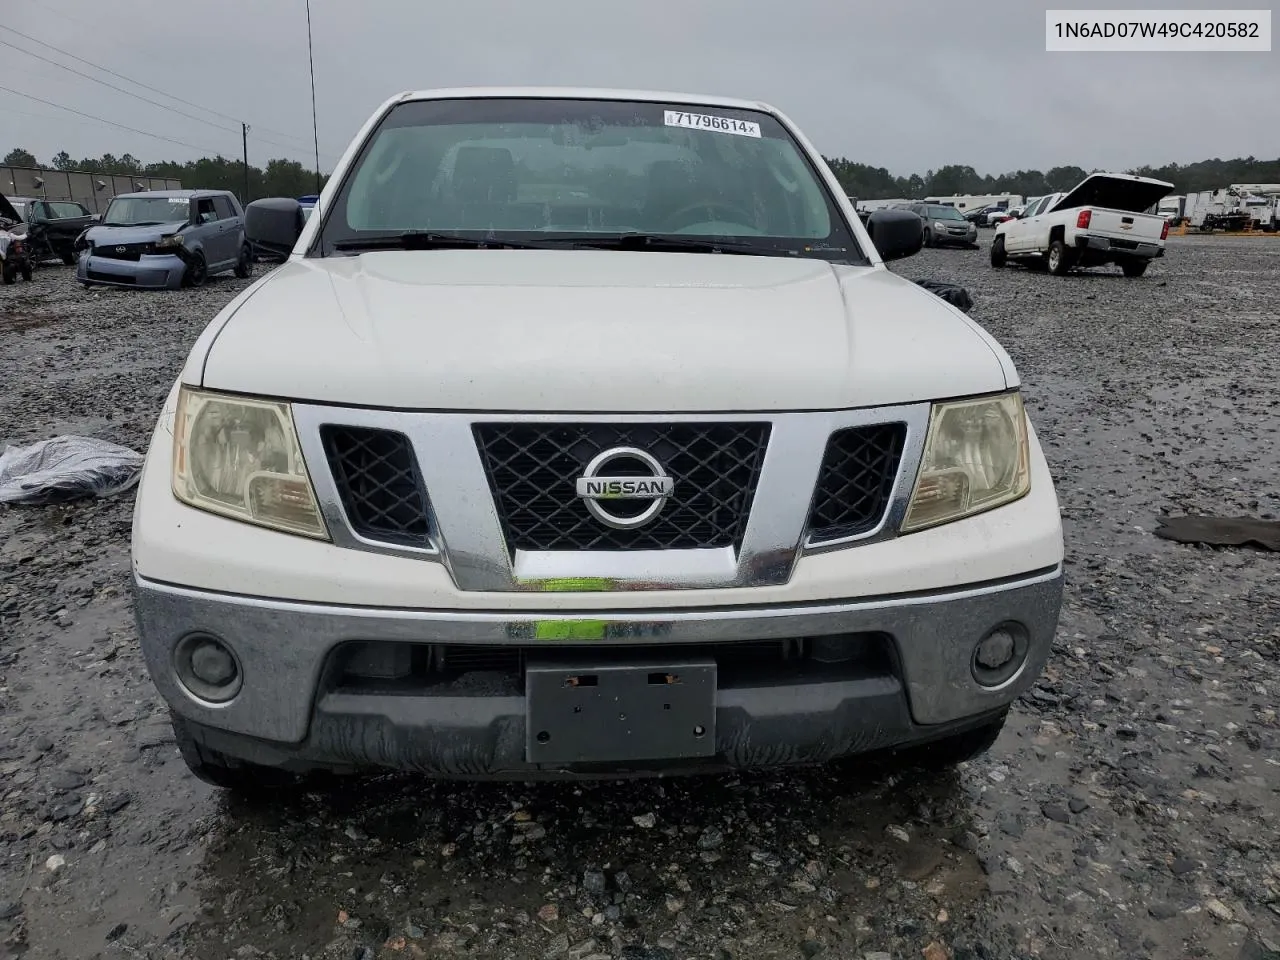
1130,809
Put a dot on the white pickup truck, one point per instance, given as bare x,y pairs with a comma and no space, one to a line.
587,433
1100,221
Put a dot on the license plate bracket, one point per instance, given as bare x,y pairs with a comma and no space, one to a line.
585,712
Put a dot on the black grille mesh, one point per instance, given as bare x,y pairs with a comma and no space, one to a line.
856,480
378,480
532,469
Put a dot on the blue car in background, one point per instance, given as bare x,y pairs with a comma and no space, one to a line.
166,239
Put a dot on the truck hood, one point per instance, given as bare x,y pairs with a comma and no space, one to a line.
108,234
604,331
1116,191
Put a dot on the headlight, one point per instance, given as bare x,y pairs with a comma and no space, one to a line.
172,240
976,457
240,457
939,225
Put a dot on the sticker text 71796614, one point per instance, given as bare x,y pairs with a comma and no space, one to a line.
703,121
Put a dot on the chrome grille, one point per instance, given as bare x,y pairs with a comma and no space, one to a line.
532,469
379,483
856,480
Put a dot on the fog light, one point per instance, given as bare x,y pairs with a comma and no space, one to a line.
207,667
996,650
998,657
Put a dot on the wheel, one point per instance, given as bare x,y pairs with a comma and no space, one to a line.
197,271
26,272
10,273
928,237
244,266
1059,258
227,772
998,256
69,259
955,749
1134,268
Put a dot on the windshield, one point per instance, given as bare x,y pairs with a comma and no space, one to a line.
62,209
146,211
942,212
548,171
20,208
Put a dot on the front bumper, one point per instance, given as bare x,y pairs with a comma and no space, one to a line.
948,239
159,272
291,710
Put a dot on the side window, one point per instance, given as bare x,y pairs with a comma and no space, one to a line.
1035,208
225,210
205,212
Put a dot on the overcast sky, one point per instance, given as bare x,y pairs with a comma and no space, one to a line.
905,84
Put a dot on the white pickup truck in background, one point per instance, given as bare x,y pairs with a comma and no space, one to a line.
1100,221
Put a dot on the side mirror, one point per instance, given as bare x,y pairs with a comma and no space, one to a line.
274,224
896,233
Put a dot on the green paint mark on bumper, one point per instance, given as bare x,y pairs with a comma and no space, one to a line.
570,629
574,584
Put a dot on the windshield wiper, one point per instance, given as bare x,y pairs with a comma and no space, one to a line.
425,240
658,242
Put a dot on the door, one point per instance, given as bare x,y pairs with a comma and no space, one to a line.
1018,237
232,225
212,234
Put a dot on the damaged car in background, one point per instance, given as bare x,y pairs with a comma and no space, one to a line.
50,227
1098,222
166,240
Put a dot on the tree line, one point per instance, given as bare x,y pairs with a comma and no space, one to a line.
877,183
289,178
280,178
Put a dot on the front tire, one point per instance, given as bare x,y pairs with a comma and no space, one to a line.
9,272
197,271
998,256
26,273
1134,268
69,259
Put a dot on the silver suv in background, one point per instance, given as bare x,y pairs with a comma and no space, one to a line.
166,239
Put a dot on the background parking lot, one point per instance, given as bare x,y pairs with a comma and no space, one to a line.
1131,808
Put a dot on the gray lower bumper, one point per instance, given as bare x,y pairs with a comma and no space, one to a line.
162,272
1148,251
285,714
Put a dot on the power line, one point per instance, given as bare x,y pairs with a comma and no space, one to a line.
154,136
112,86
139,83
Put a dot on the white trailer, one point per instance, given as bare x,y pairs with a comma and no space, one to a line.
870,206
967,202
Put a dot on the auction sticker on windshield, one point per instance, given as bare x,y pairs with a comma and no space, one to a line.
702,121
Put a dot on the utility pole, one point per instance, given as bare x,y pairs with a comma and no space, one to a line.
244,136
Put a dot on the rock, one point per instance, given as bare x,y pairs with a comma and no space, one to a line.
1219,910
1183,865
1163,911
877,955
1055,812
646,821
593,882
1010,825
710,839
549,913
116,932
674,904
9,909
582,950
55,863
622,880
898,833
558,947
1077,805
811,948
936,951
